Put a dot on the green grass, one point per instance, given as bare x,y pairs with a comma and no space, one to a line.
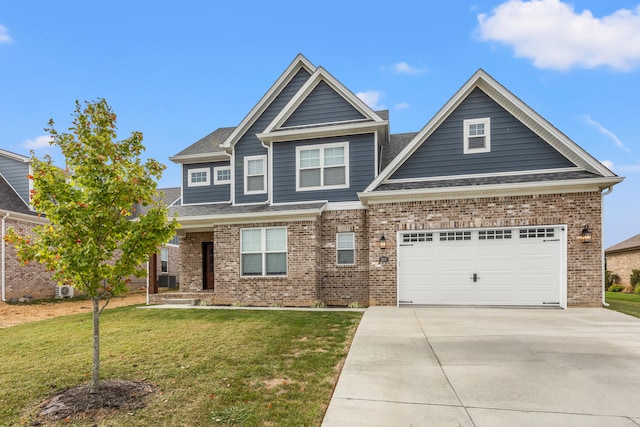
624,303
212,367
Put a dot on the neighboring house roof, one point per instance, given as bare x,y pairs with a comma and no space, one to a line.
205,149
631,244
170,197
11,201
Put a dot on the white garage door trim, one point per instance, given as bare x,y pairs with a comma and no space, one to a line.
513,266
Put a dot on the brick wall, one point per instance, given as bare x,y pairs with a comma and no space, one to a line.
25,280
191,261
345,284
622,263
584,269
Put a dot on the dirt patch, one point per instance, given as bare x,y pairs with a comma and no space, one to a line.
78,402
16,314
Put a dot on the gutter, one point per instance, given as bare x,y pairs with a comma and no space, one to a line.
4,267
606,191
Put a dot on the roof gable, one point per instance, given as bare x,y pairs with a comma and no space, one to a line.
10,200
321,102
511,104
300,62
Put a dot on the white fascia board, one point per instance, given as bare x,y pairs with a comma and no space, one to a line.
345,206
322,131
14,156
201,158
24,217
299,62
320,75
494,190
190,223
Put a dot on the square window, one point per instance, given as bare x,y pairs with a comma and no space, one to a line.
222,175
263,251
477,135
345,249
320,167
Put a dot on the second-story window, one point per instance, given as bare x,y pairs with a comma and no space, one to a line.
221,175
255,174
477,135
198,177
322,166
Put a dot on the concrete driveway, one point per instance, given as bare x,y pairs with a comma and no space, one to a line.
490,367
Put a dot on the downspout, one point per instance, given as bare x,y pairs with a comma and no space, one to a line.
4,266
604,193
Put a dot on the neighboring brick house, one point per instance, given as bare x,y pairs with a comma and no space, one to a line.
624,257
19,281
311,199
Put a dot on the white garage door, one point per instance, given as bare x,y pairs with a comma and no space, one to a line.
506,266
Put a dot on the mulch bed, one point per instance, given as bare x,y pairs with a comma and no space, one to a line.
78,402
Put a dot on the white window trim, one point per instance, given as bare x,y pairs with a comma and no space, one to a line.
486,121
217,181
164,251
353,248
263,251
264,175
198,184
322,147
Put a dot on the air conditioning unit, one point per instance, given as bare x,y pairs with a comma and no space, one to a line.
64,291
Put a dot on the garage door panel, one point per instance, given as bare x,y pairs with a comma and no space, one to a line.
513,267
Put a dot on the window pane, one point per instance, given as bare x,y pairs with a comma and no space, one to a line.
334,156
224,175
334,176
310,178
255,167
309,158
476,142
255,183
252,264
251,240
276,239
276,264
345,240
346,256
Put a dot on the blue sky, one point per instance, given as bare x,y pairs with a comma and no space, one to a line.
178,70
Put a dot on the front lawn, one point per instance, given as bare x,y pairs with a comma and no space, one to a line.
212,367
624,303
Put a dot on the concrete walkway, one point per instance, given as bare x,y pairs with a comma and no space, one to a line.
490,367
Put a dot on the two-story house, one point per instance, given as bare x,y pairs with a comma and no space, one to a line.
310,198
19,281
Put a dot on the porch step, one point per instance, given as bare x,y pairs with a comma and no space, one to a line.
182,301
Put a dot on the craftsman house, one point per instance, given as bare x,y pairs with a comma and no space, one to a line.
310,198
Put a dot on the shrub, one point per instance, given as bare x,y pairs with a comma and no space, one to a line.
317,304
634,279
610,278
637,289
355,304
615,288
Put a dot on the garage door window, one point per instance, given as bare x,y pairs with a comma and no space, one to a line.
417,237
450,236
533,233
494,234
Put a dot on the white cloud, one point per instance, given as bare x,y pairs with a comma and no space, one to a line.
405,68
38,142
4,35
588,120
608,164
402,106
555,36
372,98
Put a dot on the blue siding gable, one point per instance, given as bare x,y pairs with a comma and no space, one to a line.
206,193
514,147
361,170
323,105
15,173
250,145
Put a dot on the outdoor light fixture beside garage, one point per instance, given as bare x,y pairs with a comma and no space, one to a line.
383,242
585,235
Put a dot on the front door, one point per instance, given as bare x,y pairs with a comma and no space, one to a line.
207,264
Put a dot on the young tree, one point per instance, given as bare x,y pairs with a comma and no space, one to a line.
91,241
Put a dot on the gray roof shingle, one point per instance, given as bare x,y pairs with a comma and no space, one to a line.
630,244
10,201
209,144
228,209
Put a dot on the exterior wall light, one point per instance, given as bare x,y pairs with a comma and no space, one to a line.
585,235
383,242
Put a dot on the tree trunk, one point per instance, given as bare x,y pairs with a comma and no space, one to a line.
95,369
